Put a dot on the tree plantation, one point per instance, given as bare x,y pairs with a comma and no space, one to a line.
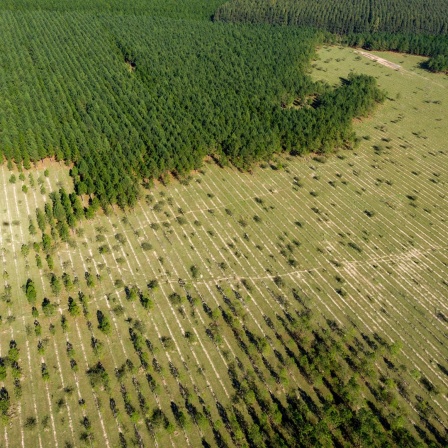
143,96
191,9
409,26
219,231
344,17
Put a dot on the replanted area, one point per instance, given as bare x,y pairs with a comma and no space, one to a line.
301,305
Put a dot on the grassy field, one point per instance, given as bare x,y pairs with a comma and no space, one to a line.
358,238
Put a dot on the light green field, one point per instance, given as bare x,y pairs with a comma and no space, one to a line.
361,236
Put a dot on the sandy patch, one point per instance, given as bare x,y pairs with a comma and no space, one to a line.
381,61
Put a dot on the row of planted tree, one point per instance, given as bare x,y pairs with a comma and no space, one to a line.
338,386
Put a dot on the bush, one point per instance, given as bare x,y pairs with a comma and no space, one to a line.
56,285
30,423
195,272
146,302
354,246
98,376
45,372
30,291
90,280
190,336
175,298
132,293
279,281
153,284
73,307
48,308
438,63
103,322
120,238
104,249
118,310
146,246
167,342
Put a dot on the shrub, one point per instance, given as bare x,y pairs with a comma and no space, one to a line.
146,301
190,336
167,342
118,310
45,372
104,249
146,246
120,238
30,423
48,308
55,284
279,281
103,322
355,246
195,272
175,298
132,293
90,280
98,376
73,307
30,291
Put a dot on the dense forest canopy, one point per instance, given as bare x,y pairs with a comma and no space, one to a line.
344,16
129,97
191,9
410,26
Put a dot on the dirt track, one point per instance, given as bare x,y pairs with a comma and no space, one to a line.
381,61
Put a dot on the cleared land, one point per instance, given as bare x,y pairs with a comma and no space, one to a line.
360,236
381,61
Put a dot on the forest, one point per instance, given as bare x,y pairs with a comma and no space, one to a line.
300,303
145,96
343,17
191,9
416,27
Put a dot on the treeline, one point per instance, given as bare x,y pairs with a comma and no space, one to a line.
426,45
415,27
191,9
144,96
344,16
404,43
